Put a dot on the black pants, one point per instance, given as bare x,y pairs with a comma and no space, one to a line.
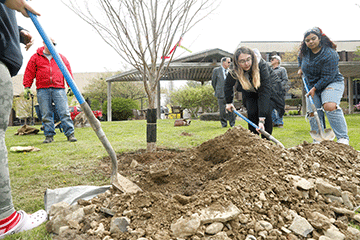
252,107
224,115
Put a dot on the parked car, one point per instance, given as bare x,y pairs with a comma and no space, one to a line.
75,110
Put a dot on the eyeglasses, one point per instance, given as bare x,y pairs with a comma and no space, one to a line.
242,61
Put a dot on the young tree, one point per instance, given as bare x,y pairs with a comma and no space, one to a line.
143,33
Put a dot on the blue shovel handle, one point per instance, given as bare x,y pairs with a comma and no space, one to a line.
57,58
266,134
93,121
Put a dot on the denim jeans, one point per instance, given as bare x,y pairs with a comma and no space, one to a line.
47,96
277,120
332,93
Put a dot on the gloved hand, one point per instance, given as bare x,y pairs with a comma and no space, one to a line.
27,93
70,92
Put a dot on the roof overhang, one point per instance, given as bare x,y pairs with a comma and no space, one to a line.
199,67
347,69
177,71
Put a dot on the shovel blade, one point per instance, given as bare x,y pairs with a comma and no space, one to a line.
124,185
328,134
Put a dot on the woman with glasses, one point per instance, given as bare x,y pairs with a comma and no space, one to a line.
252,76
319,64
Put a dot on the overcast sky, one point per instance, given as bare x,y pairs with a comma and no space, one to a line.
234,21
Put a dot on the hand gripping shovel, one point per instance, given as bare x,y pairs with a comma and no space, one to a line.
327,134
117,180
263,132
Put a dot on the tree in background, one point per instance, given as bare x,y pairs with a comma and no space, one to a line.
97,91
295,81
195,98
145,34
291,56
357,53
121,108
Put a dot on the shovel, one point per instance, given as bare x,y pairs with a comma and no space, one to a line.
326,134
118,181
263,132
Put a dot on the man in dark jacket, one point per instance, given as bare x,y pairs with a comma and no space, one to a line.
11,221
218,82
278,113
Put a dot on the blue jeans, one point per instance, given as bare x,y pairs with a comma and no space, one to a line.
47,96
332,93
277,120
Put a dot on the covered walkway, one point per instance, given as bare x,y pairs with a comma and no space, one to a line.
198,67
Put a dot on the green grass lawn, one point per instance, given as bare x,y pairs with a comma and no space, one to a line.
63,164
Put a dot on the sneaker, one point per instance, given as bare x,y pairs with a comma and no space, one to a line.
25,222
343,141
48,139
71,138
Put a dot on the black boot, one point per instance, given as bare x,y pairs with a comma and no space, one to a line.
48,139
71,138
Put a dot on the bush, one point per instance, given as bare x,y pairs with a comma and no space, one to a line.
121,108
194,98
293,101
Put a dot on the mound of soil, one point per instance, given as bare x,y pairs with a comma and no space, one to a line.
237,167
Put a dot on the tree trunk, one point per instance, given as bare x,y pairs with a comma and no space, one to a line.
151,117
151,129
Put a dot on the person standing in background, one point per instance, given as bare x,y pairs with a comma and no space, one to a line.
277,114
218,82
50,88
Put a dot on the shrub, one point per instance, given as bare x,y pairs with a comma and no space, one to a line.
194,98
121,108
293,101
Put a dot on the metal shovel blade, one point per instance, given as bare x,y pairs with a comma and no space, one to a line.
328,134
123,184
322,135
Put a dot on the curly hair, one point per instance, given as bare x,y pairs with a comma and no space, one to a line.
324,40
238,72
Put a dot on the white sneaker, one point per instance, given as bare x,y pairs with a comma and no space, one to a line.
343,141
27,222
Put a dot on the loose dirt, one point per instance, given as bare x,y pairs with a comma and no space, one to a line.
237,166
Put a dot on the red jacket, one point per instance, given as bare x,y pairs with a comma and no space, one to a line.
46,72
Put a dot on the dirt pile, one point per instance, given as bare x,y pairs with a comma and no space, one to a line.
268,185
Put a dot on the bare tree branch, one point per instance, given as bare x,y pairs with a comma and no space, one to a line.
143,32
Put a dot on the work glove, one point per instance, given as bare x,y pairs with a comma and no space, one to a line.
70,92
27,93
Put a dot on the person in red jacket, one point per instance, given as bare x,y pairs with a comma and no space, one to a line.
50,88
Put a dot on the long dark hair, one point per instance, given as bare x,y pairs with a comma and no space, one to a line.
239,72
324,40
